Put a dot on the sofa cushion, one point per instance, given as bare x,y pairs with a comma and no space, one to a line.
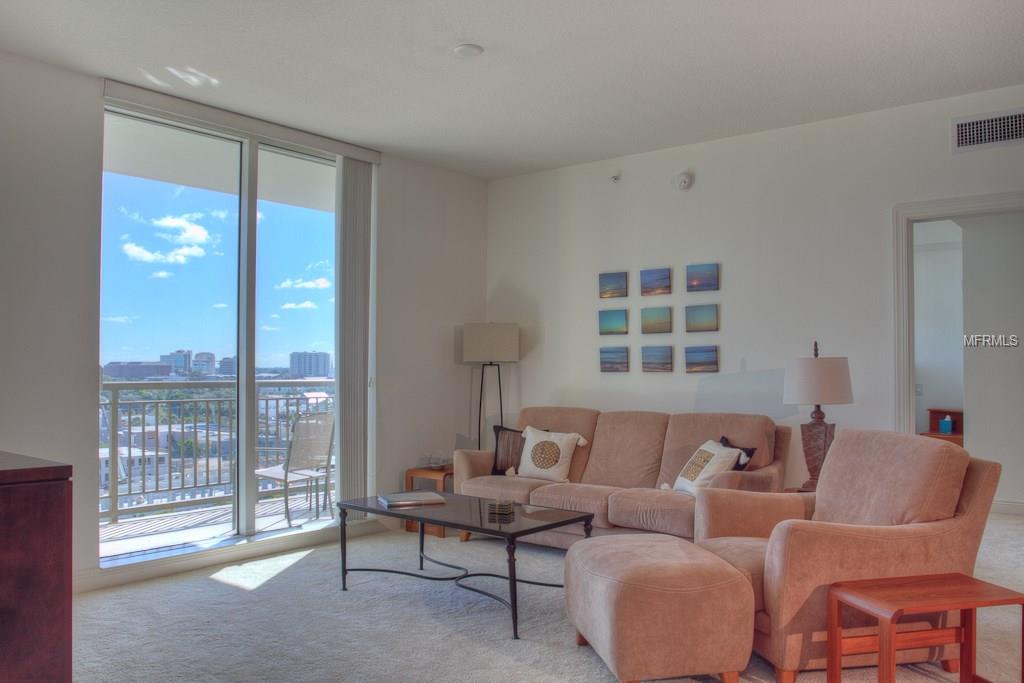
583,421
627,449
747,555
666,512
886,478
500,487
578,498
687,431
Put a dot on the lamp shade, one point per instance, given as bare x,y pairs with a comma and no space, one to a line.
490,343
817,381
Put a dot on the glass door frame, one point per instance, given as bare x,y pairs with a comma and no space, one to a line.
246,493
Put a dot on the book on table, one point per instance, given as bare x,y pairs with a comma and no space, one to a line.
410,499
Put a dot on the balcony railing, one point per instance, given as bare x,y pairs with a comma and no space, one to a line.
173,445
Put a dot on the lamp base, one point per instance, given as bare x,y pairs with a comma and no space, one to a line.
816,437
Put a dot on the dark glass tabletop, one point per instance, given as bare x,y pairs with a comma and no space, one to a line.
479,515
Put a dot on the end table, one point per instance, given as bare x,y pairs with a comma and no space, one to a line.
439,475
890,599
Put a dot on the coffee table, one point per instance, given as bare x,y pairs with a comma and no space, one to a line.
476,515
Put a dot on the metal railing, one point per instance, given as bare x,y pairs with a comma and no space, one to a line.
174,444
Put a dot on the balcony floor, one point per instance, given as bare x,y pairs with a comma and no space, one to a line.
199,529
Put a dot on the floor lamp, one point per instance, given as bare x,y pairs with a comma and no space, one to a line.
815,382
489,344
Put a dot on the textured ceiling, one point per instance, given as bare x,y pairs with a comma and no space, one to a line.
561,81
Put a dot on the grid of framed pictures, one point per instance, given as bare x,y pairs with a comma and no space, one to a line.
699,316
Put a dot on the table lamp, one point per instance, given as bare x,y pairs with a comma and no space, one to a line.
489,344
817,381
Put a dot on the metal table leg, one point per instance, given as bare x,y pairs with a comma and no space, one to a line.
513,601
343,517
422,531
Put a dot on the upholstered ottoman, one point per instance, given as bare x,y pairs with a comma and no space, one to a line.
656,606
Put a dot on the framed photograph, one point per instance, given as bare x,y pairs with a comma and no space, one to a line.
613,285
702,318
656,358
655,281
656,320
614,359
701,358
613,321
702,277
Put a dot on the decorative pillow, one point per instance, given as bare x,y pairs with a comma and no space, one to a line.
548,455
508,448
710,459
745,456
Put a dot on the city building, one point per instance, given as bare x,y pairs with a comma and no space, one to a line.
204,363
136,369
180,361
228,366
309,364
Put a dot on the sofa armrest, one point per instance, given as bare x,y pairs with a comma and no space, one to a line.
767,479
469,464
726,512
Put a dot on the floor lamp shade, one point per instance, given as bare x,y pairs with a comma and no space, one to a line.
490,343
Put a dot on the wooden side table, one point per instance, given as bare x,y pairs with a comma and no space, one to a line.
888,600
439,475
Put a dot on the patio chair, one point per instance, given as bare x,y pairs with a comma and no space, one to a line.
307,459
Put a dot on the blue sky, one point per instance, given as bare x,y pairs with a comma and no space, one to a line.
170,272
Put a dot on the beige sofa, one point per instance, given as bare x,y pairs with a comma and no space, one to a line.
887,504
617,475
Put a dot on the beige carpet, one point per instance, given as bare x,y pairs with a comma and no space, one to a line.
285,618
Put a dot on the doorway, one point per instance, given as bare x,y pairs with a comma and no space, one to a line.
960,323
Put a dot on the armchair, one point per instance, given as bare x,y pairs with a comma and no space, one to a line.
887,505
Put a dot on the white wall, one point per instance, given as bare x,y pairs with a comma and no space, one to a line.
800,219
938,318
994,377
431,257
430,262
51,125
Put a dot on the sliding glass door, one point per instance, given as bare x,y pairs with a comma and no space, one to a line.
295,364
189,454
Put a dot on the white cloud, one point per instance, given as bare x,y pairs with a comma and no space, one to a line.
319,265
293,306
301,283
120,319
259,216
331,300
125,236
134,215
177,191
268,328
220,305
162,274
188,231
181,255
220,214
275,315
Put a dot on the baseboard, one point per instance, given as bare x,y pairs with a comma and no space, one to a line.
1008,507
95,578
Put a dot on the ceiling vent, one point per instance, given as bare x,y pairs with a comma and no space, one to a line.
974,132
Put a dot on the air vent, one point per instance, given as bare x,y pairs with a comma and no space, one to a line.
990,129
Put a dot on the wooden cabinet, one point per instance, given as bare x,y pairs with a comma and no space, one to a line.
935,415
35,569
